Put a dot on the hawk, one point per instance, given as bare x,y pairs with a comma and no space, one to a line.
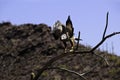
65,33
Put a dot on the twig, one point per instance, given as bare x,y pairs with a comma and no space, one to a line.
103,59
78,39
108,36
81,75
90,70
70,71
106,25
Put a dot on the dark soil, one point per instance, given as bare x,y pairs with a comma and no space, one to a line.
26,48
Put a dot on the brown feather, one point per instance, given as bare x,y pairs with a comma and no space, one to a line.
69,27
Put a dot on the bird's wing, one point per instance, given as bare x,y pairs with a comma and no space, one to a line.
69,27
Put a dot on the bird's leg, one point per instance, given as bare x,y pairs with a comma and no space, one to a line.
72,44
65,45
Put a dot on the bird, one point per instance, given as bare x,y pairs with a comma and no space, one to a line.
70,32
64,32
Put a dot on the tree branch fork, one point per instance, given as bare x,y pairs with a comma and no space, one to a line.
92,51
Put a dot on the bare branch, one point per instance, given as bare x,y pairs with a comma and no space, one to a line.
103,59
40,71
106,25
108,36
78,39
49,63
70,71
81,75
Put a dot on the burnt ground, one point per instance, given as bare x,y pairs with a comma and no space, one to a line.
26,48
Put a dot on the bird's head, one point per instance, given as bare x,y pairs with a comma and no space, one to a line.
57,29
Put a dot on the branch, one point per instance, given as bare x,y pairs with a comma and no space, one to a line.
70,71
102,58
49,63
108,36
106,25
78,39
74,72
40,71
